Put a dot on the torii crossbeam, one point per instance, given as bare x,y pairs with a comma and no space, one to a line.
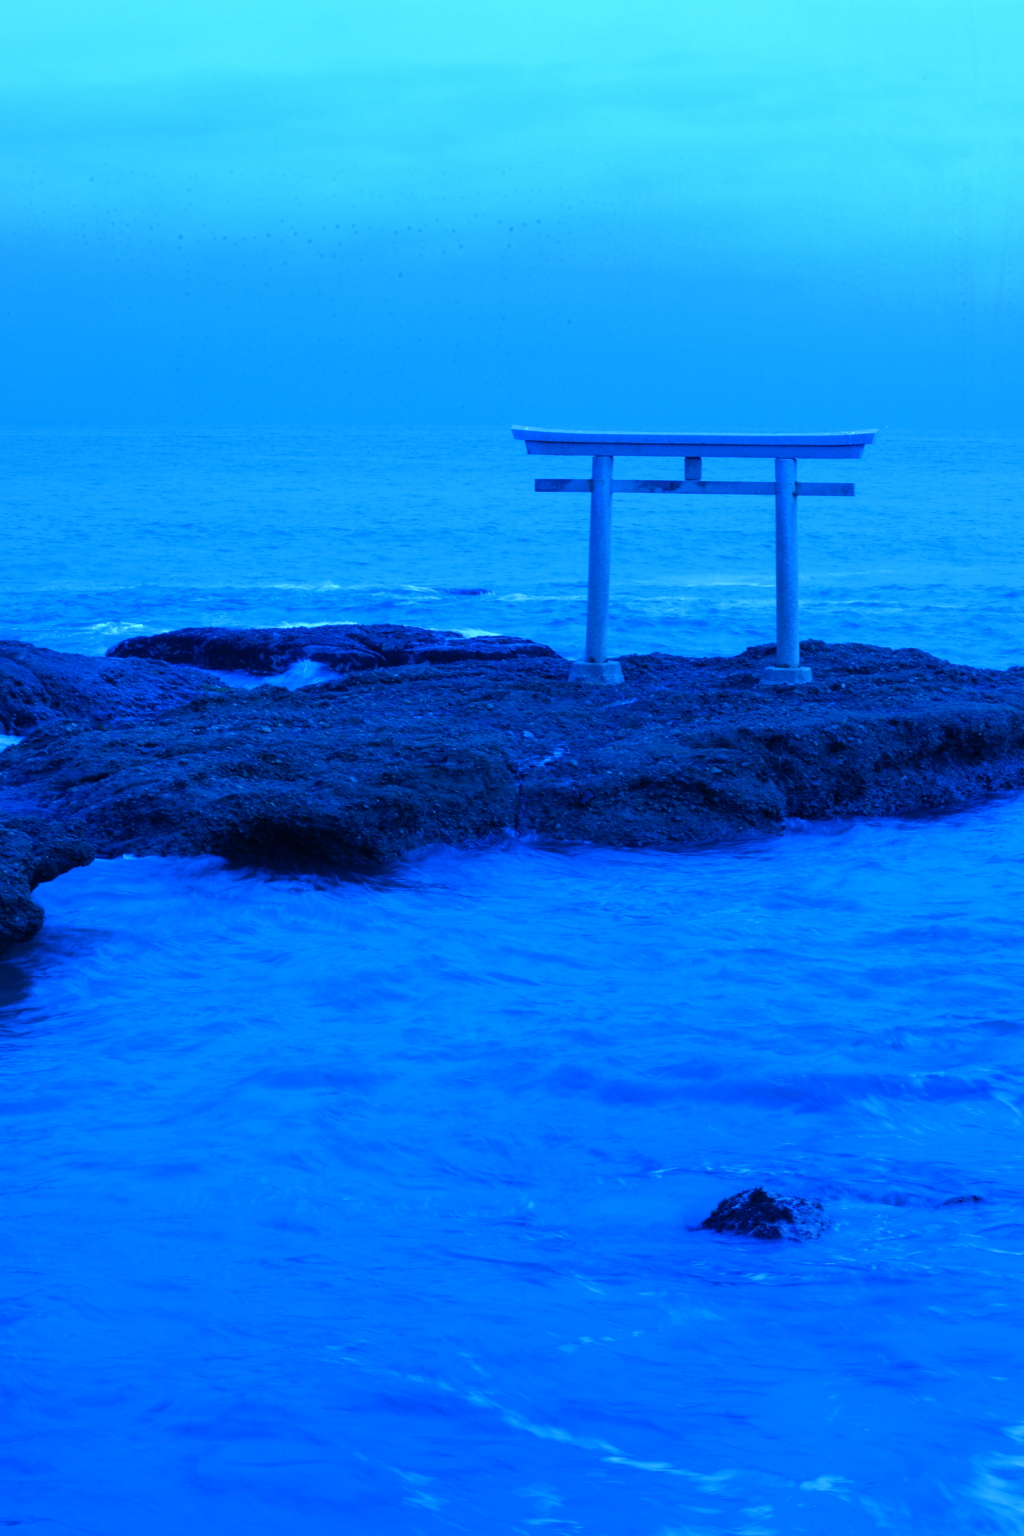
784,448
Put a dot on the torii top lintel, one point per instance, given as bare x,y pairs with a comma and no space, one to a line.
702,445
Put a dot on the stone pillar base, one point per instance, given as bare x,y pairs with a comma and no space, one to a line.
785,677
595,672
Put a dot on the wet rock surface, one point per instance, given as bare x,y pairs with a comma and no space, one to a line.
31,852
342,647
756,1213
43,687
389,758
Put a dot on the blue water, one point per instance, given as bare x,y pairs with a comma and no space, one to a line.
112,533
369,1207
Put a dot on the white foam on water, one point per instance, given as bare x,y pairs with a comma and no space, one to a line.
301,674
998,1488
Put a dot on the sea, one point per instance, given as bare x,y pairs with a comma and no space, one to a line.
371,1206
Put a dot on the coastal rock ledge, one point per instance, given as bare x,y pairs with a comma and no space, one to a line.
392,755
30,853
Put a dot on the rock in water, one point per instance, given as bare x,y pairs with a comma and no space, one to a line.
342,647
31,852
41,687
388,757
756,1213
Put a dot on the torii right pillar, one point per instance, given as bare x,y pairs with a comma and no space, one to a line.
787,668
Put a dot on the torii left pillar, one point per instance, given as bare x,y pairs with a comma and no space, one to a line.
595,667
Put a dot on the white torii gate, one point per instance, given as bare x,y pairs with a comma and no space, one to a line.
784,448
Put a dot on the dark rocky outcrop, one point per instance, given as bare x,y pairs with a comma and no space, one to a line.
342,647
42,687
296,780
107,708
384,760
756,1213
31,852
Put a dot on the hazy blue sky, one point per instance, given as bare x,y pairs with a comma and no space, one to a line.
642,213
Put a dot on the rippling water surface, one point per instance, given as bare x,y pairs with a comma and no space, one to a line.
109,533
370,1206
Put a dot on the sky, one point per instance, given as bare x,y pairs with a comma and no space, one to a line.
648,214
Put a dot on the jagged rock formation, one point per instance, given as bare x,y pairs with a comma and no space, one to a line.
42,687
31,852
756,1213
389,757
342,647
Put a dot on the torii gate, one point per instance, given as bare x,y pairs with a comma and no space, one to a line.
784,448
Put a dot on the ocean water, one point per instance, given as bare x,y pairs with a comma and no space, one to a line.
111,533
370,1206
